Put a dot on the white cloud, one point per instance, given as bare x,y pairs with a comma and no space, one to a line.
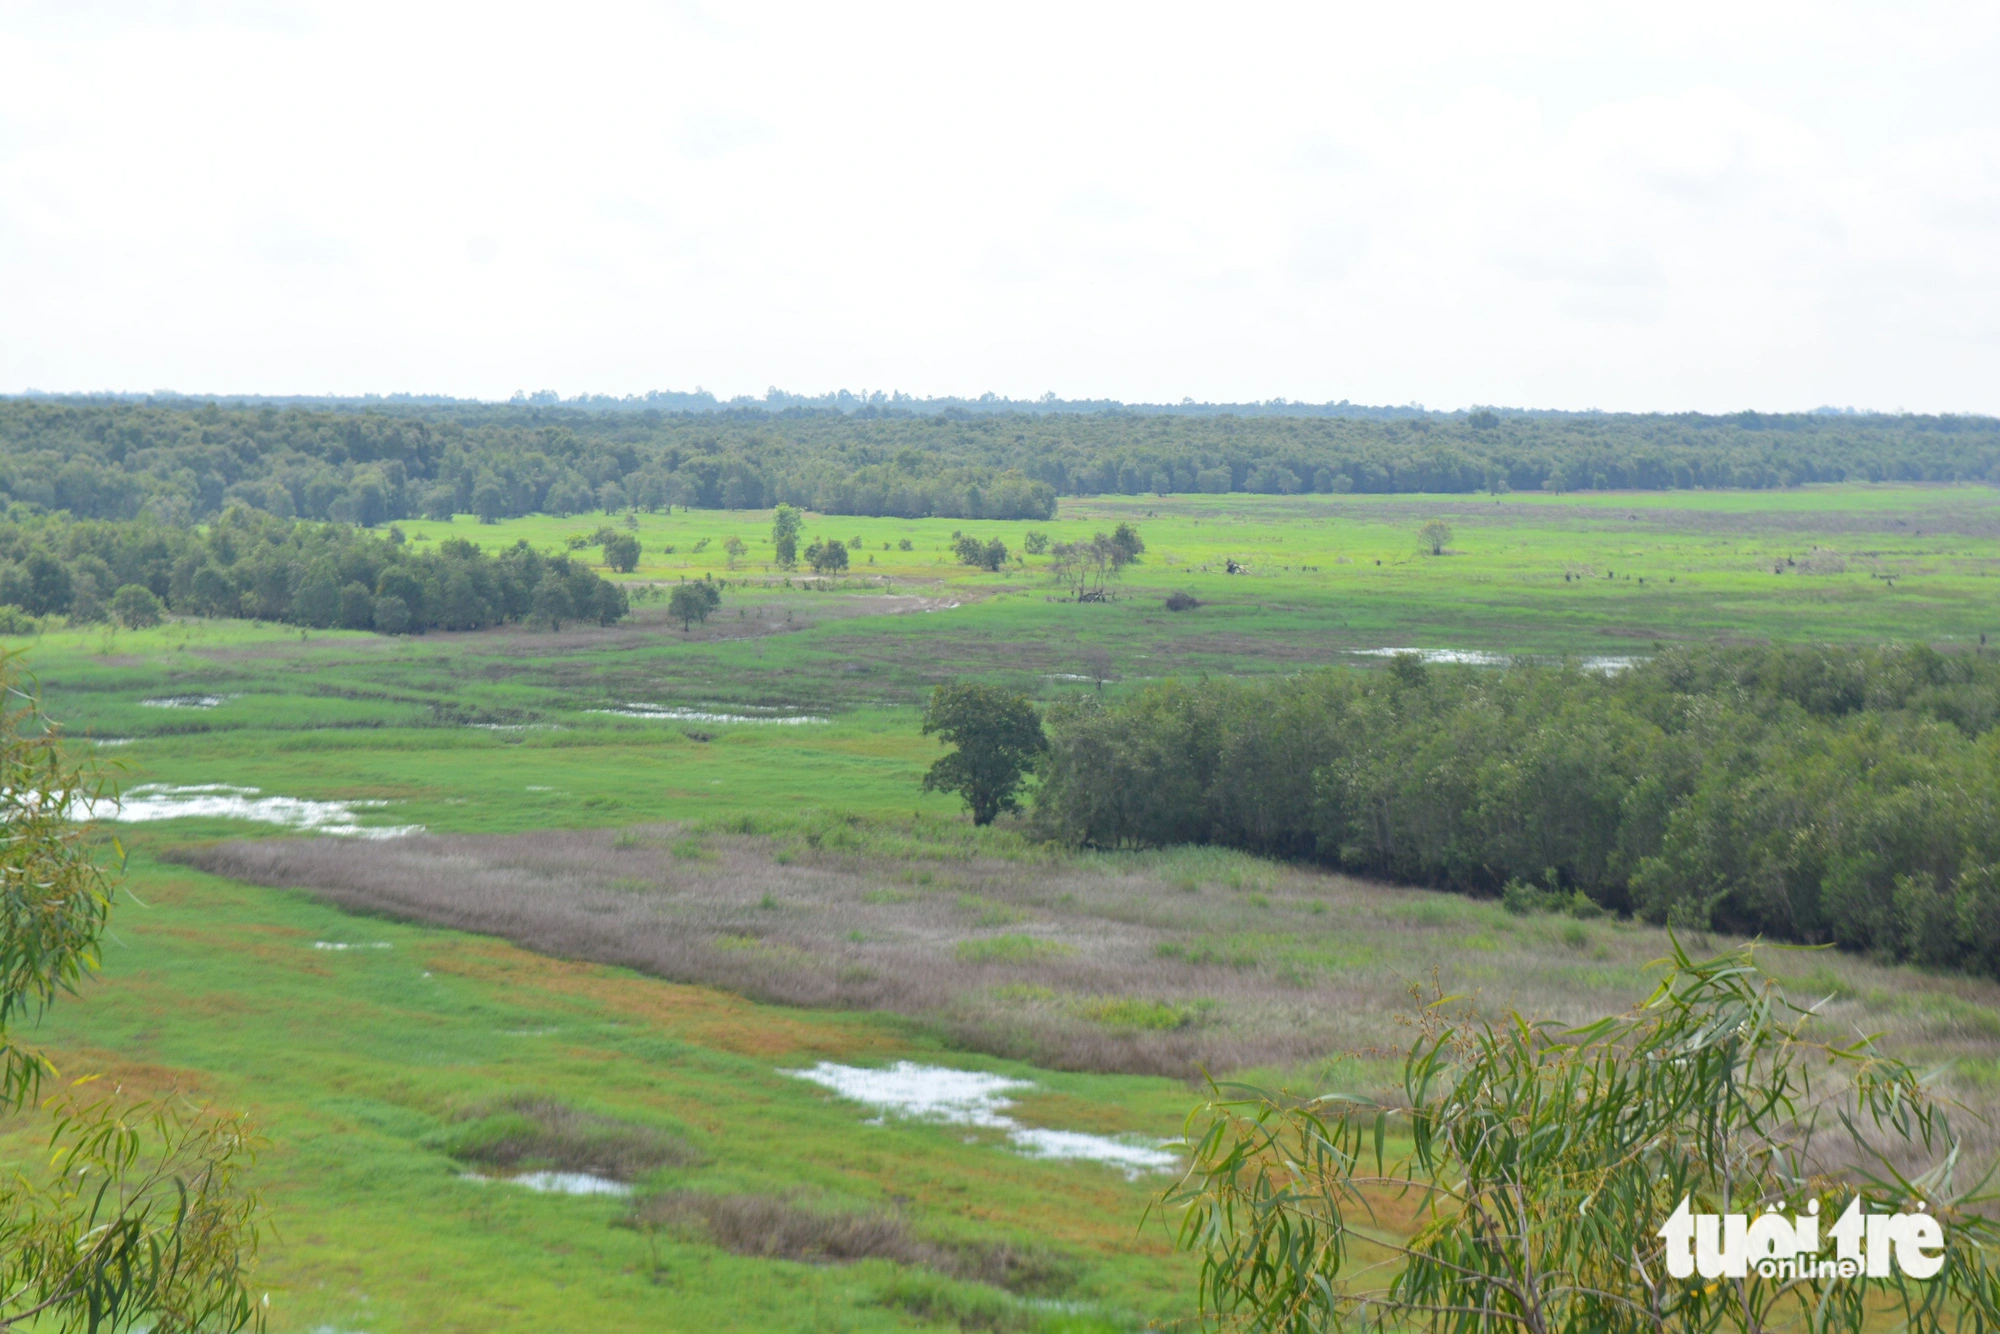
1704,205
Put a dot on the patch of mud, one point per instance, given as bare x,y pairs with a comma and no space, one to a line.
183,702
150,802
973,1098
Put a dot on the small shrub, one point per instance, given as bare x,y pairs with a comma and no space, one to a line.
1149,1016
1179,601
779,1229
529,1133
136,607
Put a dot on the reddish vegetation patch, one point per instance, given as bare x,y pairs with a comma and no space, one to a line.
701,1015
1003,956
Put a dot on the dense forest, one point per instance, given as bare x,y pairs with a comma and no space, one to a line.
256,566
181,462
1809,794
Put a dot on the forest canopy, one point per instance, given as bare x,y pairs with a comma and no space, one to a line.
258,567
1849,796
181,461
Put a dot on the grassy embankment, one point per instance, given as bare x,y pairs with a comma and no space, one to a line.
357,1061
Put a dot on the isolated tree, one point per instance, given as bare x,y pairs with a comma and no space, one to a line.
139,1217
1125,538
998,737
1545,1165
988,556
1096,662
621,552
785,535
693,601
827,557
732,548
1436,534
136,607
1085,567
1036,544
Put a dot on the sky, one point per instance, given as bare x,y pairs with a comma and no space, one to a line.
1688,206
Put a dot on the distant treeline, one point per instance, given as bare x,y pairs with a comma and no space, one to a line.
182,462
1809,794
259,567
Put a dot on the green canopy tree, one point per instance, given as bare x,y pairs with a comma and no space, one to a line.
785,535
693,601
621,552
998,737
141,1217
827,557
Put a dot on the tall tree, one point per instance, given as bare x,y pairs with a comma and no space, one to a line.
785,535
998,737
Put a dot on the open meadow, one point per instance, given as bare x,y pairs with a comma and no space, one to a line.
572,976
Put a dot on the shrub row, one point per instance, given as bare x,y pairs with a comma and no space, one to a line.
1809,794
252,565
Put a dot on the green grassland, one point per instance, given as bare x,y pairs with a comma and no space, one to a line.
353,1061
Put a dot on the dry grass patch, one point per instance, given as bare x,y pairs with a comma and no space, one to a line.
779,1229
540,1134
1169,962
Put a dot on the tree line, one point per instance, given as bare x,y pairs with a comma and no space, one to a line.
182,462
1809,794
256,566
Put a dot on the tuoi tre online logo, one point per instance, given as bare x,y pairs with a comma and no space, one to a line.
1732,1245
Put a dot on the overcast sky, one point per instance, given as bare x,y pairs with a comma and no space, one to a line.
1653,206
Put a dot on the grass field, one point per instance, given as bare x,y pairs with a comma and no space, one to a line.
359,1062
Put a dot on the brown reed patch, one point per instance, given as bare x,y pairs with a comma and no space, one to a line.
530,1133
1168,963
778,1229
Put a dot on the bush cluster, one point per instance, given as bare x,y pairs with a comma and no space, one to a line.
1810,794
254,566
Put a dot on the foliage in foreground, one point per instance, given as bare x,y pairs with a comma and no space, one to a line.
140,1213
1543,1162
1816,794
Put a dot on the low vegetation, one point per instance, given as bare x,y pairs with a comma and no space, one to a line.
531,1133
790,1229
1173,962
